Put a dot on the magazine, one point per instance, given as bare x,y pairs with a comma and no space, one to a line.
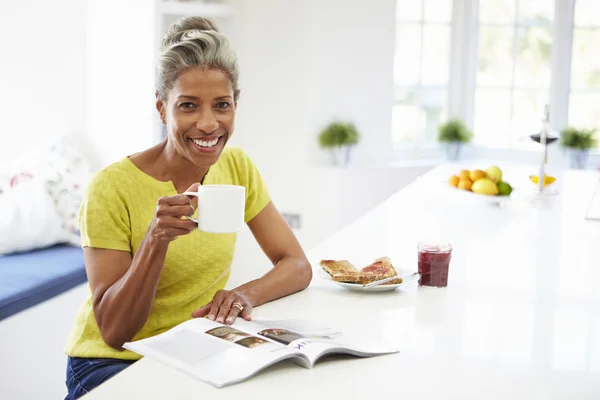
222,355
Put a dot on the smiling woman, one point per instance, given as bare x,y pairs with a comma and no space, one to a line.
142,280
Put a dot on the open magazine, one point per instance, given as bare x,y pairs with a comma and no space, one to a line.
223,355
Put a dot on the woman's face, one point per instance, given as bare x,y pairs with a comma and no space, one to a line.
199,114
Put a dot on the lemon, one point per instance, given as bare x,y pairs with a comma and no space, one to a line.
494,174
504,189
453,181
465,184
477,174
485,186
548,180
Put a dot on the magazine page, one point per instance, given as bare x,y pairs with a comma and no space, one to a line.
313,339
214,353
314,349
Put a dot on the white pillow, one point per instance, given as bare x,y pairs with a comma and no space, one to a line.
28,218
60,164
67,174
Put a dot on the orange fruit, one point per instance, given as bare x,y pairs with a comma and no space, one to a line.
477,174
465,184
453,181
465,174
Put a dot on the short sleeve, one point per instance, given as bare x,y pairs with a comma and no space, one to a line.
103,216
257,194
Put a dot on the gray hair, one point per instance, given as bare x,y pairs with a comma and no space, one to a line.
194,42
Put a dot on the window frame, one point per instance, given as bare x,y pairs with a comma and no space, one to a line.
419,87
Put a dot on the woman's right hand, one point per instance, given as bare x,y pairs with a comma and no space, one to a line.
169,220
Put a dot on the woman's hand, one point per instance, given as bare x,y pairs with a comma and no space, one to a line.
225,307
169,222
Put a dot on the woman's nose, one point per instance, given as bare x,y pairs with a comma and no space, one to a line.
207,123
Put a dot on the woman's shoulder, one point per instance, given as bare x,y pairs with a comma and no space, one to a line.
234,153
117,174
236,157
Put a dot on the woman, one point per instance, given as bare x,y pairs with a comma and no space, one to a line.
142,280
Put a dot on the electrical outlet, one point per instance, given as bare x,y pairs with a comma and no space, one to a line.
293,220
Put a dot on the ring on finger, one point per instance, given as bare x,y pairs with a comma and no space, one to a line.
238,306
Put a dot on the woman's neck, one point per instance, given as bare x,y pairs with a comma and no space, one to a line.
162,162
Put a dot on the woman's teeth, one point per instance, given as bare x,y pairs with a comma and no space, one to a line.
205,143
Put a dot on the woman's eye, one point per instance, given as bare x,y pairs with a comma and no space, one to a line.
223,105
187,105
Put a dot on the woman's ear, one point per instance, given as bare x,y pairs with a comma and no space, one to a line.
160,107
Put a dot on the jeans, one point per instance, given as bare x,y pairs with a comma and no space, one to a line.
84,374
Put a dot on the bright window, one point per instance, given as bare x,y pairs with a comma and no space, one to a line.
584,97
421,69
496,65
513,70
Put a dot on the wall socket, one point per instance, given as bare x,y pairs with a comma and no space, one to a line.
293,220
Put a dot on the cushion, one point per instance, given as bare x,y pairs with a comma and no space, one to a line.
27,279
67,174
60,165
28,218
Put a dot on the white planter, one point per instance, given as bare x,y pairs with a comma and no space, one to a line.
453,150
578,158
340,156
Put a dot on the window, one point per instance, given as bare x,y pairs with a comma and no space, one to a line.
584,96
513,70
421,69
495,64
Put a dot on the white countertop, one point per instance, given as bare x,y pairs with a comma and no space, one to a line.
520,318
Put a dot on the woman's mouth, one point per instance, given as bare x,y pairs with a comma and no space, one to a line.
208,144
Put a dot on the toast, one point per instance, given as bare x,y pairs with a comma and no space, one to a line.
341,271
344,271
335,267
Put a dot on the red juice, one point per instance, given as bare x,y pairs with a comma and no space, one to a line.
434,262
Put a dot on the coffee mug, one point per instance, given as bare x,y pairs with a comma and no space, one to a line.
220,208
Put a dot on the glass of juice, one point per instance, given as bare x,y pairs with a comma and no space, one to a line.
434,261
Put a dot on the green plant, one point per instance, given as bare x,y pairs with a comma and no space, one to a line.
581,139
454,130
338,134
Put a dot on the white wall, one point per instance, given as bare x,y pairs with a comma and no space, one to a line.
120,78
41,72
351,64
302,65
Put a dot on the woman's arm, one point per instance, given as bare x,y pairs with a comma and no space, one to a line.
123,287
291,273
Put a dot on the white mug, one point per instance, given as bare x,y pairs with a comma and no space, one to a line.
220,208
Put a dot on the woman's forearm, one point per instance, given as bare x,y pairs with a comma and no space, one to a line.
126,305
290,275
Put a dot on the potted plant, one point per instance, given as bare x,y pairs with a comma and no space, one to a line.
454,134
578,142
339,137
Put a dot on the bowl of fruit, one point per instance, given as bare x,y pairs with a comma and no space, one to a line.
488,183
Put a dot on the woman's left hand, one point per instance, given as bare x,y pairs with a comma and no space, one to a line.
225,307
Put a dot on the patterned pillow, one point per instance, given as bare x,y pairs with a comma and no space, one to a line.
67,176
65,172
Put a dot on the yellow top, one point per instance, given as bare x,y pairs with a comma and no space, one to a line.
117,208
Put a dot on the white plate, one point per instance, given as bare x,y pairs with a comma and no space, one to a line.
380,288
